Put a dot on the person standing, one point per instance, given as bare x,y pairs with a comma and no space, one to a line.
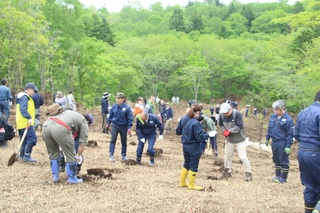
247,111
58,132
218,112
232,127
71,102
173,100
211,110
167,114
147,131
280,130
162,106
264,112
255,111
25,115
150,106
121,119
138,107
5,99
61,99
104,110
38,102
209,126
192,135
307,133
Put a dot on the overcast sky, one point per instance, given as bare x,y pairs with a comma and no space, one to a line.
116,5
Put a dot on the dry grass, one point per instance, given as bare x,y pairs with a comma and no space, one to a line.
28,187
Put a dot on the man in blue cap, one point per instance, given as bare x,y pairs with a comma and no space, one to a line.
25,115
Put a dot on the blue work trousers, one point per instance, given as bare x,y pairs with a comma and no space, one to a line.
309,165
151,141
5,109
114,134
280,158
191,154
31,137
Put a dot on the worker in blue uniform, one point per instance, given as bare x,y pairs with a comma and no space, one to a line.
307,133
146,129
280,130
192,134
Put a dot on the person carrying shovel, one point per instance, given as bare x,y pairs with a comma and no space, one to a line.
25,115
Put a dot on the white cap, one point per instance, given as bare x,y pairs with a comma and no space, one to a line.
225,107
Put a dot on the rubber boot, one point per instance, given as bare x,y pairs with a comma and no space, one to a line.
183,177
248,176
277,173
27,154
71,172
55,170
284,175
308,207
192,177
62,164
316,208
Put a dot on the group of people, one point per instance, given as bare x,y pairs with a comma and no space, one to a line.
64,130
120,118
67,130
281,130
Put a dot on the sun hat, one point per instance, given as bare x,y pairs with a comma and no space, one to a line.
105,95
54,109
120,95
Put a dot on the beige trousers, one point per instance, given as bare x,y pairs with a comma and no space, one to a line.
242,153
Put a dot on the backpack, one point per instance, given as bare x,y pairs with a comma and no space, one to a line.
7,132
233,115
214,120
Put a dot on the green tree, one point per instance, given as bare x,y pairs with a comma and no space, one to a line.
177,21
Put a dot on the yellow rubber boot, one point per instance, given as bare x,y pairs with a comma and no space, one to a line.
192,186
183,177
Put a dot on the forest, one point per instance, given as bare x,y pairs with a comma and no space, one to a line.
206,51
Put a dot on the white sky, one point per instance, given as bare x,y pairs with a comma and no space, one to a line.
116,5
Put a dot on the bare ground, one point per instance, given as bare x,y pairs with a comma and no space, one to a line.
28,187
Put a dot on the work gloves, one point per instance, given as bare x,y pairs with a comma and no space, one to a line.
266,143
160,137
212,133
143,140
29,122
79,159
287,151
226,133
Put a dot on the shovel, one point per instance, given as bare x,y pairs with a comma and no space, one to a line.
14,157
208,150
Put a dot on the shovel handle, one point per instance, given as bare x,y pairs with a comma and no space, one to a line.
22,139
